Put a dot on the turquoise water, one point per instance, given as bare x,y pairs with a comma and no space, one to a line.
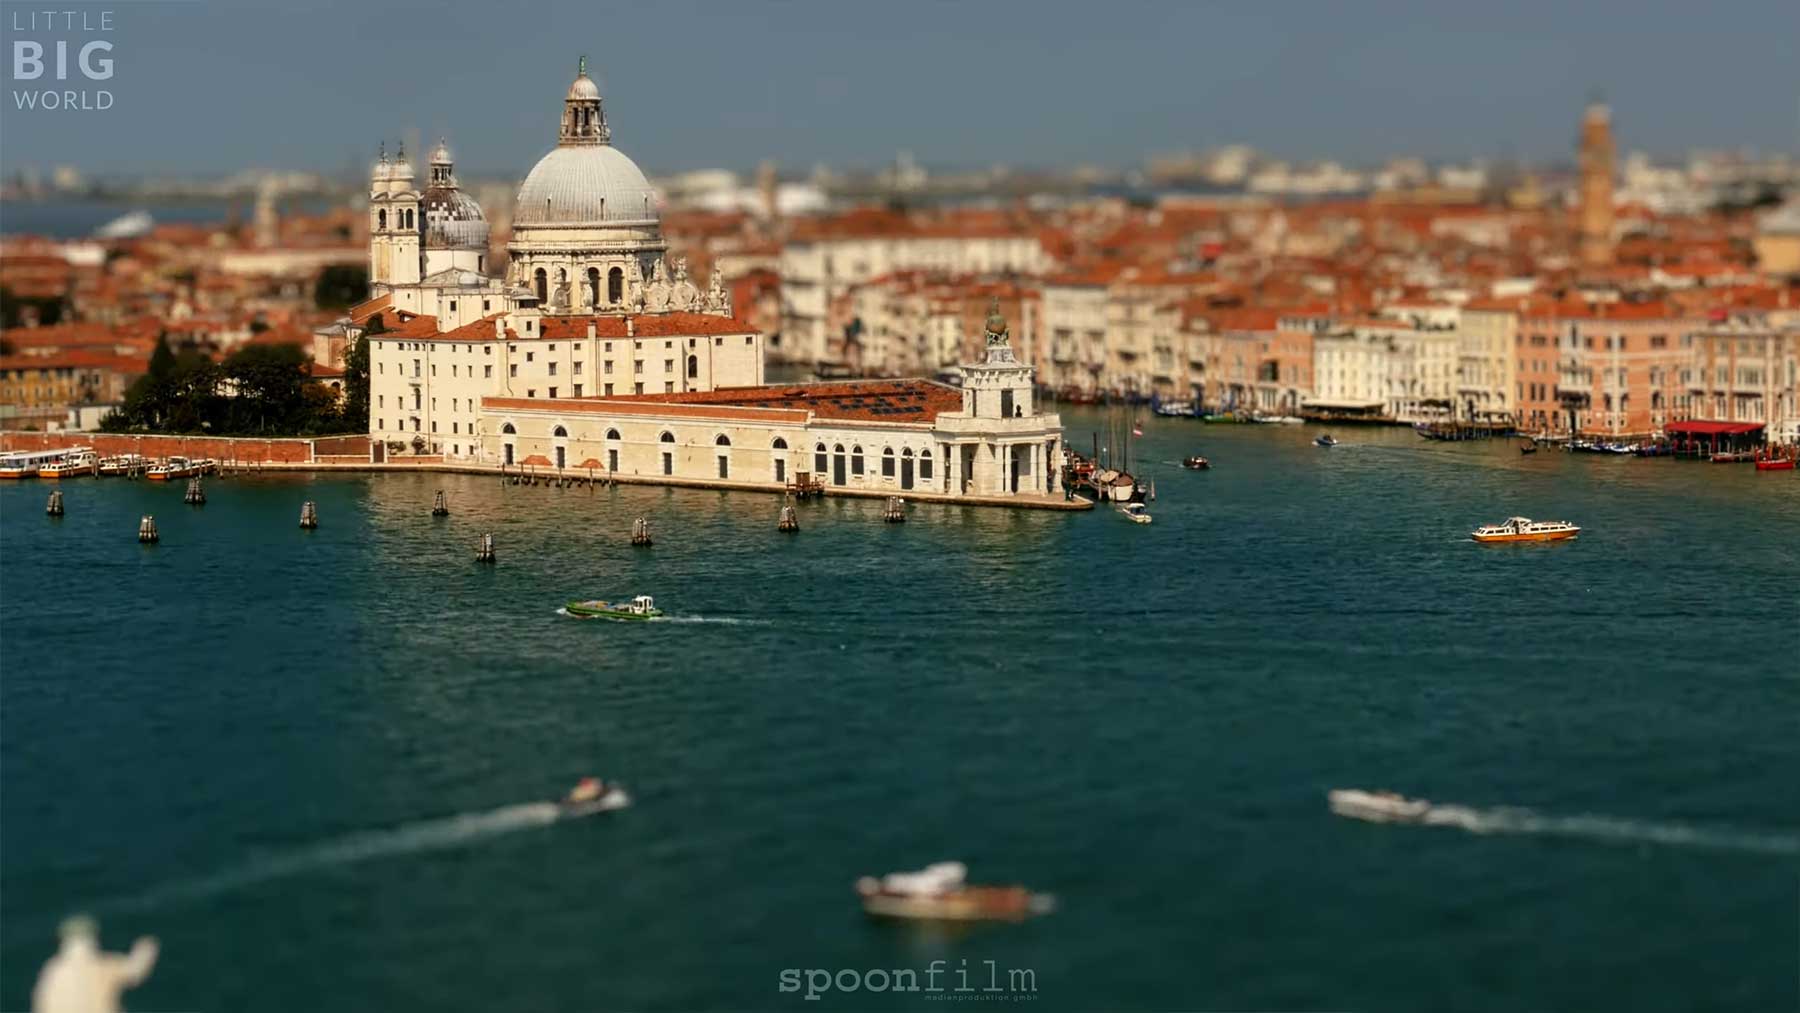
308,760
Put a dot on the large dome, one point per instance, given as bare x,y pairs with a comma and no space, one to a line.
593,184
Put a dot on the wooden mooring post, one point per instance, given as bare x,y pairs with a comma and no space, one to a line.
440,508
640,532
147,530
484,551
309,515
894,510
54,508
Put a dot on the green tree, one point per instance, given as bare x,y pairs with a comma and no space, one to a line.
266,381
341,285
356,385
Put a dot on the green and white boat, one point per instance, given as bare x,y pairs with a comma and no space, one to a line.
640,609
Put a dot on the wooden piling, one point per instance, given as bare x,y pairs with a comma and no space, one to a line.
147,530
640,532
789,519
894,510
440,508
484,551
196,493
309,515
54,508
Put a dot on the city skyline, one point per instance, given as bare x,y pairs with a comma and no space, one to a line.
809,84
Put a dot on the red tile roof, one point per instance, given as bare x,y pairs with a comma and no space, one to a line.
644,325
857,400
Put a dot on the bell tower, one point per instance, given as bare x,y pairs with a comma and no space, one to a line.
381,240
403,221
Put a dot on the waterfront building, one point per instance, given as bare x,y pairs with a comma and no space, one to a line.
986,439
588,305
1351,368
1744,371
1487,382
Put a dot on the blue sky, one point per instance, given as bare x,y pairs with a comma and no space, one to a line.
221,85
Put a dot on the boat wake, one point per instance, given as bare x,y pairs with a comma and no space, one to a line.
726,620
1602,829
411,838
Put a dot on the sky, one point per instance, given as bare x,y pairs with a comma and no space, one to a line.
216,86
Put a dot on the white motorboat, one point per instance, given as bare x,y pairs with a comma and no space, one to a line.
1377,806
592,795
1135,513
1524,529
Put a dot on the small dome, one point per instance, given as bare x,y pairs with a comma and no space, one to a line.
453,219
584,88
441,154
585,185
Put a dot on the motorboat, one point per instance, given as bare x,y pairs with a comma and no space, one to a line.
1325,440
939,892
1195,463
76,462
1528,448
589,796
1769,460
1135,513
1174,409
1524,529
639,609
123,464
175,467
1377,806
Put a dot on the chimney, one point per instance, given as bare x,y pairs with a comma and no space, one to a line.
500,328
630,327
590,328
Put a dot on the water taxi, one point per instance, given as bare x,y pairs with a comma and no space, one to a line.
178,467
25,463
1524,529
1135,513
589,796
124,464
76,462
639,609
1377,806
938,893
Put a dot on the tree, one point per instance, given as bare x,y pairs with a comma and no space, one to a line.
341,285
267,381
356,383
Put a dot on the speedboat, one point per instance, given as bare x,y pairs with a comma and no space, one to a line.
938,893
589,796
1135,513
1195,463
1524,529
640,609
1377,806
1325,440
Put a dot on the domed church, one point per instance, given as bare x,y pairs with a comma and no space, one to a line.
593,352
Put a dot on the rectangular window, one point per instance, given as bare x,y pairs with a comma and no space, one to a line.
529,355
609,390
513,369
487,349
453,305
749,339
381,367
668,365
381,400
724,466
578,390
887,466
434,404
668,386
488,371
639,388
434,425
531,392
609,346
551,347
668,463
577,367
718,342
606,367
553,392
486,304
381,423
553,369
453,429
925,466
415,367
637,366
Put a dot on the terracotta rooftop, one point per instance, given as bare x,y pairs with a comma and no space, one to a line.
853,400
644,325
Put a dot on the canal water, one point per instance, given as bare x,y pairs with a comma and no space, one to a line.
313,763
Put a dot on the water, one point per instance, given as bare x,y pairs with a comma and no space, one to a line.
310,761
77,218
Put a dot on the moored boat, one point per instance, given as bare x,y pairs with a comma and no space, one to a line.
76,462
124,464
1524,529
1377,806
639,609
939,893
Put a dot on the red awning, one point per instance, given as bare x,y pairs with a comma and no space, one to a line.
1696,427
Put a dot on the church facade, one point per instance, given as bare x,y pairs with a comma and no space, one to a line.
591,350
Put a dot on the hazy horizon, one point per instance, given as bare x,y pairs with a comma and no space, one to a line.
202,87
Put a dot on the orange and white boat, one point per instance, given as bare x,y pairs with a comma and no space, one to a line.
938,893
76,462
1524,529
177,467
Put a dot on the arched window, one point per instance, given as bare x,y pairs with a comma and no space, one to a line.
593,278
666,437
693,366
779,444
615,285
722,441
924,464
543,285
381,219
508,429
820,461
887,462
559,432
612,434
856,462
